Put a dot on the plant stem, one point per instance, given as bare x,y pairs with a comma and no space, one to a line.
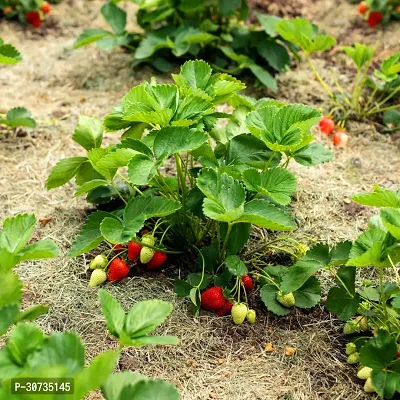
130,184
385,100
228,233
384,109
118,193
156,248
318,76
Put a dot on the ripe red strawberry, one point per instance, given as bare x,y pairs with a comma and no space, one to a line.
33,18
226,309
133,251
45,7
398,354
157,261
118,270
118,247
213,298
340,139
374,18
326,125
247,282
362,7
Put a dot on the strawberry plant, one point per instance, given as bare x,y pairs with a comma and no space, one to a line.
378,12
32,12
62,354
211,30
226,178
374,91
17,116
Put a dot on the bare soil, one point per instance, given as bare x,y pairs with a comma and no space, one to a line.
215,360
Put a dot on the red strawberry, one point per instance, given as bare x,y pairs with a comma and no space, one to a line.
247,282
340,139
45,7
133,251
326,125
374,18
213,298
118,247
226,309
398,354
118,270
362,7
157,261
33,18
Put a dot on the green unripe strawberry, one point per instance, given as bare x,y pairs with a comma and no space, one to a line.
146,254
251,316
368,386
364,373
99,262
350,328
148,239
286,300
238,313
353,358
350,348
97,278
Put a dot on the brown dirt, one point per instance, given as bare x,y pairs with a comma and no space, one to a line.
215,360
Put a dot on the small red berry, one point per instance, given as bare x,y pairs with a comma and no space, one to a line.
33,18
133,251
213,298
247,282
157,261
326,125
8,10
398,354
118,270
374,18
226,309
45,7
340,139
118,248
362,7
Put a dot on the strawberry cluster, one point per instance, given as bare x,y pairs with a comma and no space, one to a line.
33,16
327,127
117,268
373,17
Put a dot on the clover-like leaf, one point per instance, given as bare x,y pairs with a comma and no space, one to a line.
378,198
89,132
90,36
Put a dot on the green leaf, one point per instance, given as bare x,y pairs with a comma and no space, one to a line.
8,369
227,7
89,132
152,43
116,232
313,154
90,36
225,196
115,17
391,220
90,236
238,238
378,198
113,313
268,294
361,54
141,169
150,206
342,304
16,232
181,288
196,73
266,215
264,77
96,374
39,250
110,162
89,186
145,316
174,140
379,351
308,295
32,313
386,382
274,53
9,54
61,349
277,183
64,171
268,22
236,266
8,314
145,390
153,341
20,116
10,289
113,386
19,347
301,32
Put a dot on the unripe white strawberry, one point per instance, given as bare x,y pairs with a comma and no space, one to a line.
99,262
350,348
286,300
238,313
353,358
251,316
97,278
148,239
368,386
364,373
146,254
